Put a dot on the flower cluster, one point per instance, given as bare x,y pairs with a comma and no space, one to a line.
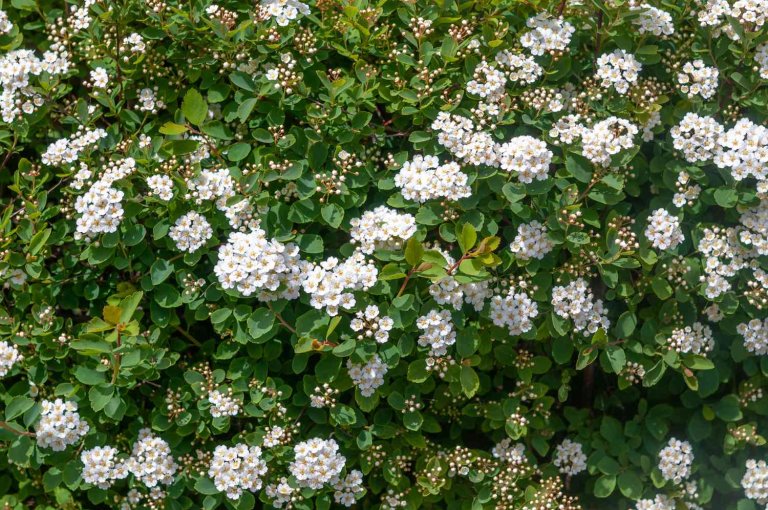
570,458
370,323
9,356
547,34
223,404
191,232
531,241
515,311
60,425
664,230
331,282
345,489
526,157
424,178
151,461
381,229
755,481
697,137
744,150
696,339
652,20
606,139
755,333
437,332
317,462
675,460
696,79
369,376
236,469
618,69
575,301
101,466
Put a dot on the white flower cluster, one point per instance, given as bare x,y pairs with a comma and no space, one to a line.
367,377
382,229
67,150
652,20
99,78
281,494
9,356
346,488
697,137
696,339
148,101
437,332
101,467
660,502
607,138
372,324
449,291
5,24
135,43
567,129
675,460
515,311
16,69
425,178
527,157
237,469
531,241
755,333
664,230
316,462
725,256
101,208
618,69
488,82
570,458
60,425
575,301
151,461
697,79
458,135
249,262
755,234
519,68
755,481
223,404
330,283
547,34
507,452
161,186
284,11
191,232
211,185
761,57
744,149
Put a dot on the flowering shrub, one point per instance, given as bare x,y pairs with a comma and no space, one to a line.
423,254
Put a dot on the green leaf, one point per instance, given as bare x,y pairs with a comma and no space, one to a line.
129,305
604,486
171,128
194,107
470,382
333,214
414,251
38,241
18,406
260,322
467,237
630,485
99,396
160,270
661,288
729,408
626,324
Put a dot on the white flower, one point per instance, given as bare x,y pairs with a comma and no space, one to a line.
570,458
382,229
515,311
60,425
755,481
619,70
101,467
161,186
696,79
223,404
675,460
369,376
437,332
99,78
9,356
755,333
664,230
744,149
607,138
526,157
653,20
5,24
316,462
151,461
696,339
237,469
547,34
191,232
697,137
575,301
531,241
345,489
425,178
284,11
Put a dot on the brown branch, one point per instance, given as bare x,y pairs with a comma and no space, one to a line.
4,425
405,282
282,321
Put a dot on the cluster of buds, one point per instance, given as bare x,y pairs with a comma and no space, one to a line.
626,238
440,364
283,75
324,396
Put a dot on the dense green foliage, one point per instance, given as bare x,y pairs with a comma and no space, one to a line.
217,228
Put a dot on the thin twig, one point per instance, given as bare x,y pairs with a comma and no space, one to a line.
189,337
282,321
4,425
